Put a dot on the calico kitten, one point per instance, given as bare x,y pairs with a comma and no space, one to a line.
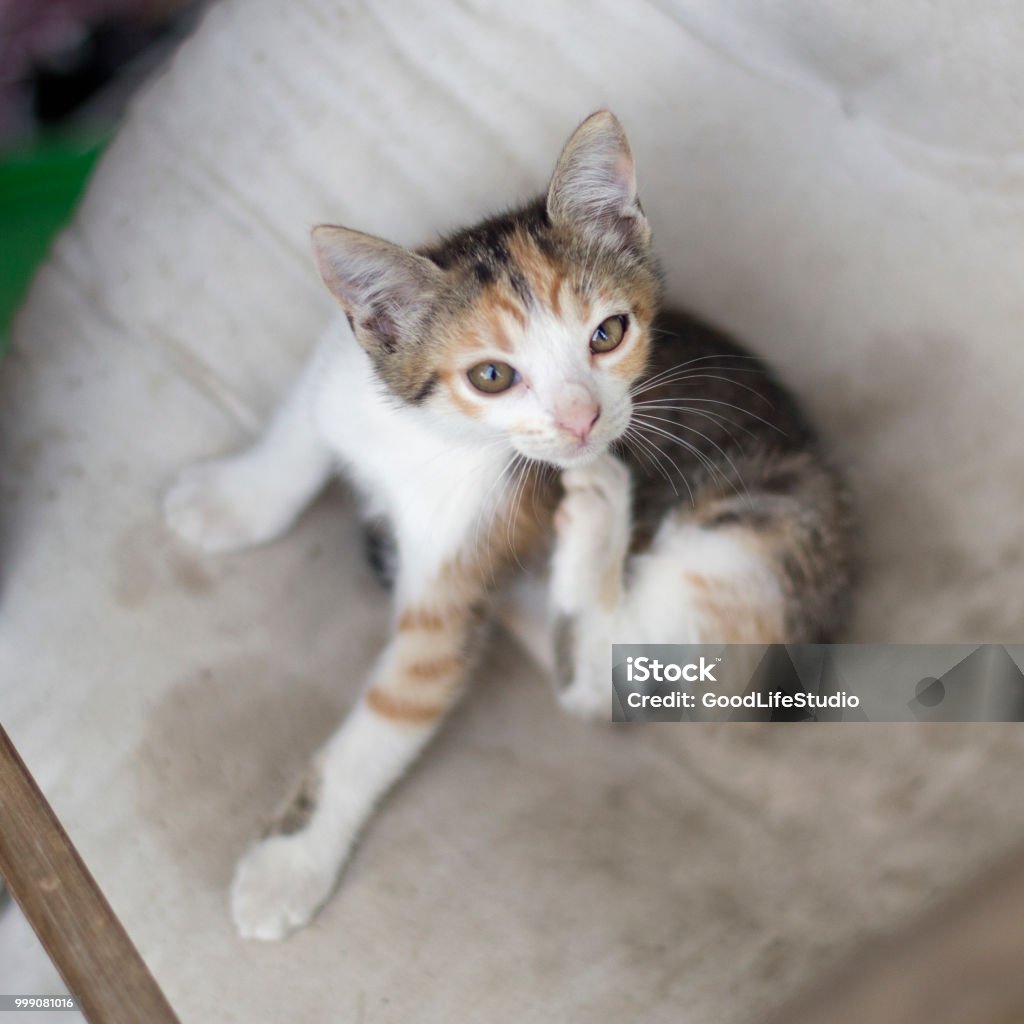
508,395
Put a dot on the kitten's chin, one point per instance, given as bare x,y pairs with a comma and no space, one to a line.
582,455
582,458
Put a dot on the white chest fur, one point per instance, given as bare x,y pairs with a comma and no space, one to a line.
437,491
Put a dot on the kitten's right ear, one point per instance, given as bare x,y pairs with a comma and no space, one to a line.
381,286
593,189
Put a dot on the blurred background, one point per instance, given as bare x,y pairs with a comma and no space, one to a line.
67,69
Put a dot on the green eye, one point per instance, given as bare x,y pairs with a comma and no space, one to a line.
492,378
609,334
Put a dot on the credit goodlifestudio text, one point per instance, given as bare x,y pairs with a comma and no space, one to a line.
775,699
644,669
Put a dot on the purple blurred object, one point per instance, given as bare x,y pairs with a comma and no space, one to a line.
37,34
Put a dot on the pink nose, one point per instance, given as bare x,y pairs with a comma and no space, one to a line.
577,415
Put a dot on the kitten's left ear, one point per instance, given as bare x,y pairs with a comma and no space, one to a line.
593,188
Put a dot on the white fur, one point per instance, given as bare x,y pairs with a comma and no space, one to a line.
436,490
593,525
282,881
439,487
254,496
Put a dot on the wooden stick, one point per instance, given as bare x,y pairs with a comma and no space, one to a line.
959,963
62,902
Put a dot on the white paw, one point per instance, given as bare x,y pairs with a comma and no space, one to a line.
278,886
593,527
587,700
216,507
596,496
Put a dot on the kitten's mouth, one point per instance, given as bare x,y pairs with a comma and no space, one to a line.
580,454
570,456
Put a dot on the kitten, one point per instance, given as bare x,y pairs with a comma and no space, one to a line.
511,389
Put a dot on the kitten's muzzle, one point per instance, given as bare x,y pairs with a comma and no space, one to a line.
576,412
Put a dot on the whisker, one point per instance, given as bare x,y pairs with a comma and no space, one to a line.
510,522
490,508
686,377
763,363
659,454
684,402
715,417
630,439
656,460
711,355
703,456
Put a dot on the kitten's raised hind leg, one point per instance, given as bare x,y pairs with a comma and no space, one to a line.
760,565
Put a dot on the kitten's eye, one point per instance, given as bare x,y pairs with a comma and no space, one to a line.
610,334
492,378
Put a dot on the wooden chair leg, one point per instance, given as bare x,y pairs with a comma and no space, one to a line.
62,902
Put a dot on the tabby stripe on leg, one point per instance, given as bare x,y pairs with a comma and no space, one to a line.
424,619
400,709
431,670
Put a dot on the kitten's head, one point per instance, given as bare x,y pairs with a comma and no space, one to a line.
530,326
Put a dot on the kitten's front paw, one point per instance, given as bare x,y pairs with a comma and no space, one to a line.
278,886
596,497
216,507
593,527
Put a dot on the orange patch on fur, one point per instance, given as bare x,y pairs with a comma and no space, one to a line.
399,709
428,670
584,306
730,616
497,335
424,619
555,294
500,302
464,404
633,363
643,306
701,582
528,516
538,270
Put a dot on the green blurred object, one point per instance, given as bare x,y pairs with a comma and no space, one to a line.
38,192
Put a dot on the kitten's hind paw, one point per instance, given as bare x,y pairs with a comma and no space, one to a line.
219,506
278,887
587,701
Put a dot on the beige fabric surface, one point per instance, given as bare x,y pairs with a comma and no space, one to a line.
840,184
